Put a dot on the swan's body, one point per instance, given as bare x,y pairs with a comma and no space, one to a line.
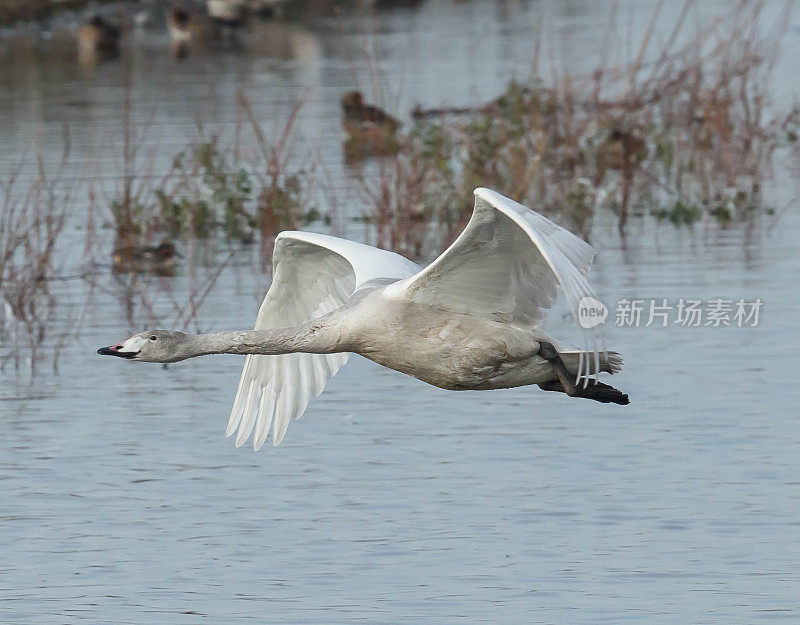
451,351
470,320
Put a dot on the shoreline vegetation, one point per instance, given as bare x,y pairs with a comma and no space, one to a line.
684,134
20,12
13,11
686,137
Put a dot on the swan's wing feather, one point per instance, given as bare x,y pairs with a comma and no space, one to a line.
506,265
313,274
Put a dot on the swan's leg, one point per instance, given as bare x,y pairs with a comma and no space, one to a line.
593,390
567,379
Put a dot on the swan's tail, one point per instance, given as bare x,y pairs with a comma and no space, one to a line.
610,362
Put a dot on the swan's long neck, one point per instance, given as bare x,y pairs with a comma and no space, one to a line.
271,342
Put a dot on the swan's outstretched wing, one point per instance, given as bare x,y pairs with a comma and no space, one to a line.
313,274
506,265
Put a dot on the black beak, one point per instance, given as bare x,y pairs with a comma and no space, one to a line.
113,350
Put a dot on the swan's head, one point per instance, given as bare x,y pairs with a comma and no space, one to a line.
150,346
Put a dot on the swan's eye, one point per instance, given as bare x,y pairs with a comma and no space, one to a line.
153,338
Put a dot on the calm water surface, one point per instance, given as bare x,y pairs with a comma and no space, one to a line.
392,501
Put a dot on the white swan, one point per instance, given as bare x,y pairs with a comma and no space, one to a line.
470,320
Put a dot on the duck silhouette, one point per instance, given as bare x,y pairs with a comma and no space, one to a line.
370,130
158,260
97,40
187,27
361,118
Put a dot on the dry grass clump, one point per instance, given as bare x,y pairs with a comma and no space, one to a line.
282,189
215,190
13,10
686,136
149,299
399,197
31,315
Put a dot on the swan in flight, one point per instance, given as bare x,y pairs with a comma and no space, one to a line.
469,320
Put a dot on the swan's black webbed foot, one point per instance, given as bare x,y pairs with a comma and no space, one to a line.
604,393
595,390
